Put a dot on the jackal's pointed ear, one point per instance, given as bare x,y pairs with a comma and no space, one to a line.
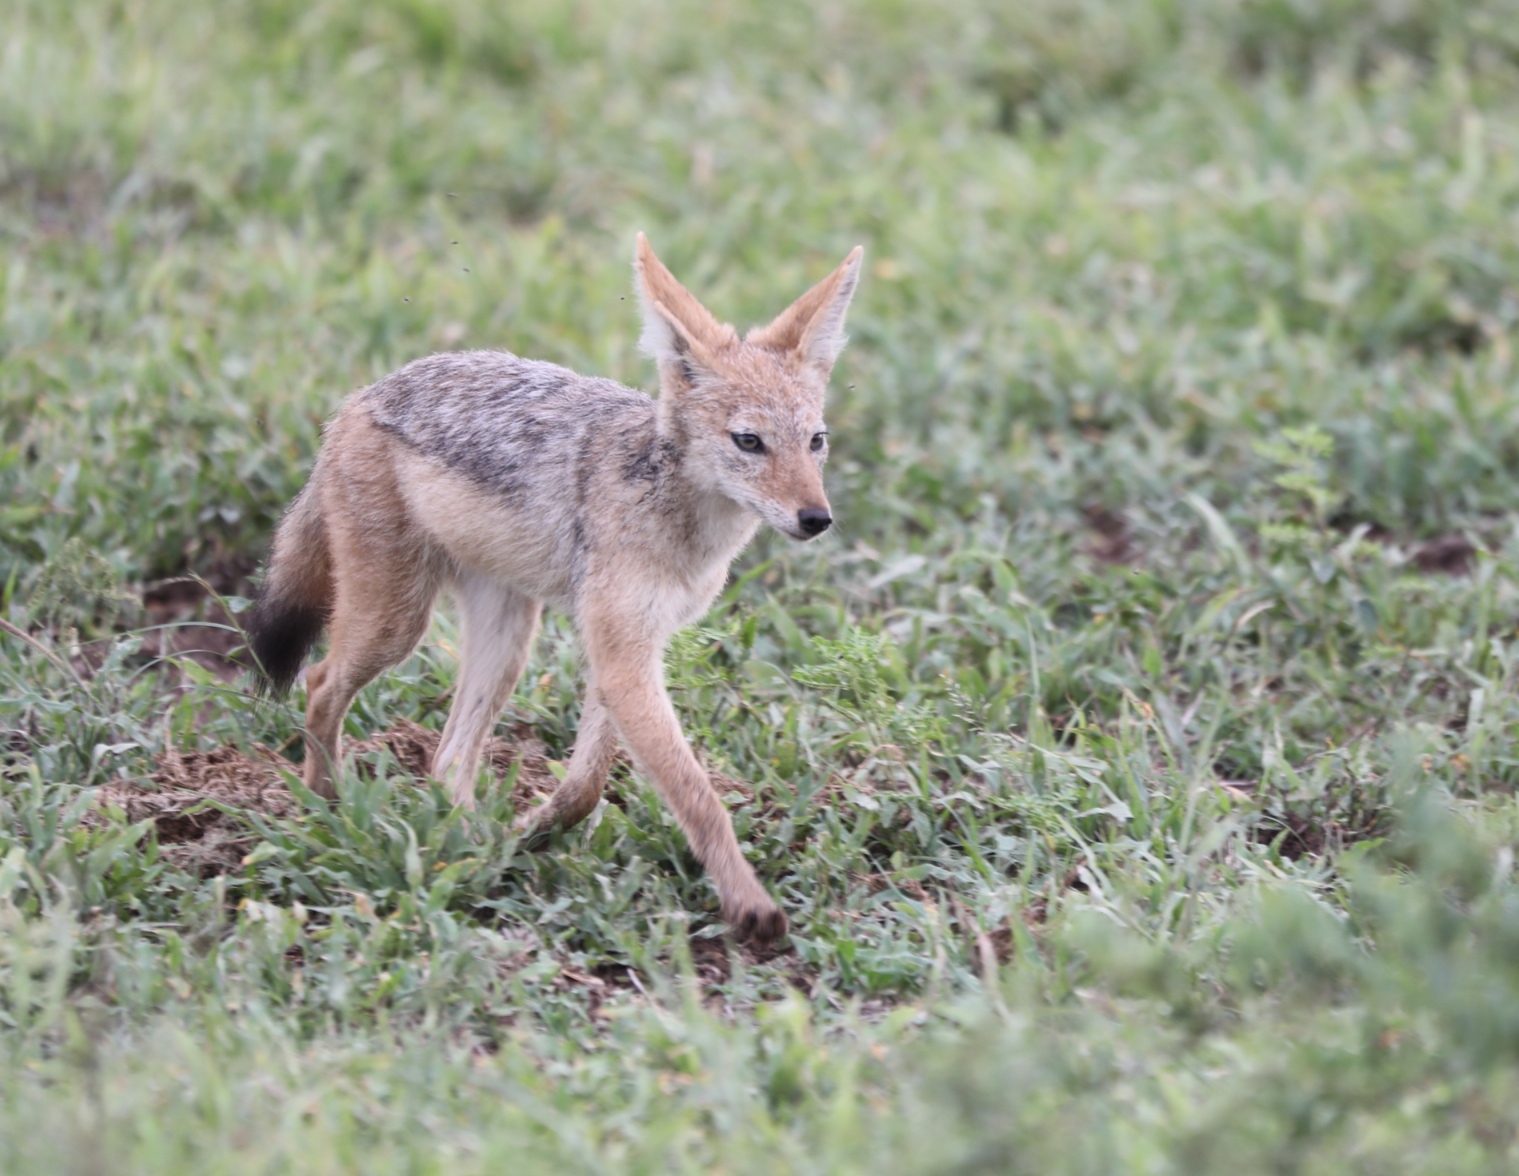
678,331
812,327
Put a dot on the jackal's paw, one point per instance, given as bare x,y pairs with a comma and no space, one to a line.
757,924
535,828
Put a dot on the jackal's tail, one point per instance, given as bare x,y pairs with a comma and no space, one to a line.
295,599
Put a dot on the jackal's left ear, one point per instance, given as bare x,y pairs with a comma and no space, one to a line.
812,327
678,331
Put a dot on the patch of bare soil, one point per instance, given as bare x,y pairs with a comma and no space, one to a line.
1112,541
1450,555
188,622
1298,835
14,746
199,801
184,801
82,202
56,204
414,747
876,883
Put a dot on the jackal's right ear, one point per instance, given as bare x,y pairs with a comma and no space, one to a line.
678,331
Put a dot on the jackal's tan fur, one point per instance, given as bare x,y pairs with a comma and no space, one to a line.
516,483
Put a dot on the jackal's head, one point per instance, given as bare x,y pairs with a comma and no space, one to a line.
747,413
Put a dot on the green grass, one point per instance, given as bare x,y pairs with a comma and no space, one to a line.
1137,775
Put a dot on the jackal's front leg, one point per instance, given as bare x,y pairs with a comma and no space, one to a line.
631,682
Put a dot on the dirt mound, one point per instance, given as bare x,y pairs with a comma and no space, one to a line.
414,747
188,787
190,793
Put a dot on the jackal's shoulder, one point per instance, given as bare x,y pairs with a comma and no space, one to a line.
493,416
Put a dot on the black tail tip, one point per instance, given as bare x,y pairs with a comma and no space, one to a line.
280,635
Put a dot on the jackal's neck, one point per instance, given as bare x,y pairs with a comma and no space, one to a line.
719,528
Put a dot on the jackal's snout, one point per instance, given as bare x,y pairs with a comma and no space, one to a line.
813,521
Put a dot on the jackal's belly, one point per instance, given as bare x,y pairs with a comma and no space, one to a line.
529,543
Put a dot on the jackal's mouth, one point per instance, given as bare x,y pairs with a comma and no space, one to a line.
792,532
805,524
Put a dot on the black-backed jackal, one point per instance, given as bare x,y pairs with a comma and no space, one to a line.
515,483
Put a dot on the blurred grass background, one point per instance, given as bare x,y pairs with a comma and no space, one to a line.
1136,759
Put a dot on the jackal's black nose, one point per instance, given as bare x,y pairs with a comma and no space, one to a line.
814,521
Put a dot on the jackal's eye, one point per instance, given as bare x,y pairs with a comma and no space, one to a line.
817,441
748,442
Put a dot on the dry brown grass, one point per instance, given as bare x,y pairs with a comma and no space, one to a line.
199,801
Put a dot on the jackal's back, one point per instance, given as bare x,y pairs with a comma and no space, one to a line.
512,426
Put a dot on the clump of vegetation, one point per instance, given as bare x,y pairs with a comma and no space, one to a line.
79,587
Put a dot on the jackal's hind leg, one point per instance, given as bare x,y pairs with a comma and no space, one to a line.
499,623
368,636
590,762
